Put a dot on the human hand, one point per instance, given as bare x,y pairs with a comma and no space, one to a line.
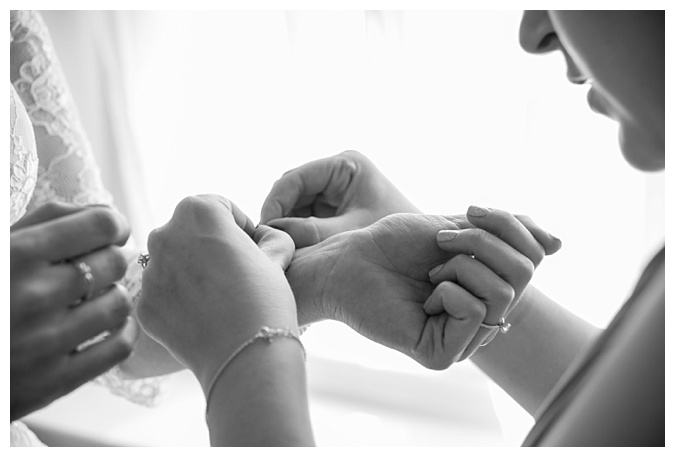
212,281
514,246
46,330
376,280
329,196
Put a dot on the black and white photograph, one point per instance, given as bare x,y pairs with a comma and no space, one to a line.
337,224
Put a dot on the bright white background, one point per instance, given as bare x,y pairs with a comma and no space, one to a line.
445,103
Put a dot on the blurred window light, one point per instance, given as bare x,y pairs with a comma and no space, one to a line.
454,113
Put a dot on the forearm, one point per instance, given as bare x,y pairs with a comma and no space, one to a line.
543,341
261,398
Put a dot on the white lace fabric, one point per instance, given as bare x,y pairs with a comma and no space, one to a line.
51,160
23,160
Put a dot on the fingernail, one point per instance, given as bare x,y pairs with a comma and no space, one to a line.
445,236
426,303
557,239
477,211
435,270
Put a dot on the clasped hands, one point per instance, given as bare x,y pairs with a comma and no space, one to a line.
416,283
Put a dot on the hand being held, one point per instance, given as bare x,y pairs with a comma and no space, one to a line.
494,261
330,196
376,280
47,324
212,281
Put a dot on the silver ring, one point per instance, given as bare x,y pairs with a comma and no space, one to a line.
502,325
84,271
143,259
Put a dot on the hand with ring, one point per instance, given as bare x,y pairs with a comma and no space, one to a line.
377,281
494,260
64,261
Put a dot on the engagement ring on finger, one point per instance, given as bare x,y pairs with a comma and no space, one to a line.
84,271
502,325
143,259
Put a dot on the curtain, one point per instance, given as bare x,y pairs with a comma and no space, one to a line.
100,52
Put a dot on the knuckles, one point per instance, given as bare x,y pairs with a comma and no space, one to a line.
504,293
116,262
124,346
20,247
118,305
201,206
524,268
109,224
33,295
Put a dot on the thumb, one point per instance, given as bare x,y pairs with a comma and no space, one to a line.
308,231
277,245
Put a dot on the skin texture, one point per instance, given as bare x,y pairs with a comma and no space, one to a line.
45,327
623,54
330,196
390,297
213,281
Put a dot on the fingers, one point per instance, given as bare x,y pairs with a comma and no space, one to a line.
550,243
509,229
103,313
100,357
241,219
480,281
308,231
70,236
455,315
47,212
207,213
329,176
305,181
106,266
500,257
277,245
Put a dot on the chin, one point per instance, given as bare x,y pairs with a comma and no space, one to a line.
643,151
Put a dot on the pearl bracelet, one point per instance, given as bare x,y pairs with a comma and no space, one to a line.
265,333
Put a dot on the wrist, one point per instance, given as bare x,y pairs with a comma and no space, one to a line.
265,343
223,344
308,274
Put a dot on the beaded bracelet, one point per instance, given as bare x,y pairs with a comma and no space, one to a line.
265,333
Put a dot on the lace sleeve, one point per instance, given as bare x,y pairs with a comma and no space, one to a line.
67,170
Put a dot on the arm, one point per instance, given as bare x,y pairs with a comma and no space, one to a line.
377,281
261,399
212,282
528,361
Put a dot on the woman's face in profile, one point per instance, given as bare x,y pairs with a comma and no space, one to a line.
622,55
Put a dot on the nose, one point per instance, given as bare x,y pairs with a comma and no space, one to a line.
537,35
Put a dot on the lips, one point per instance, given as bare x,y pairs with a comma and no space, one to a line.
597,102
